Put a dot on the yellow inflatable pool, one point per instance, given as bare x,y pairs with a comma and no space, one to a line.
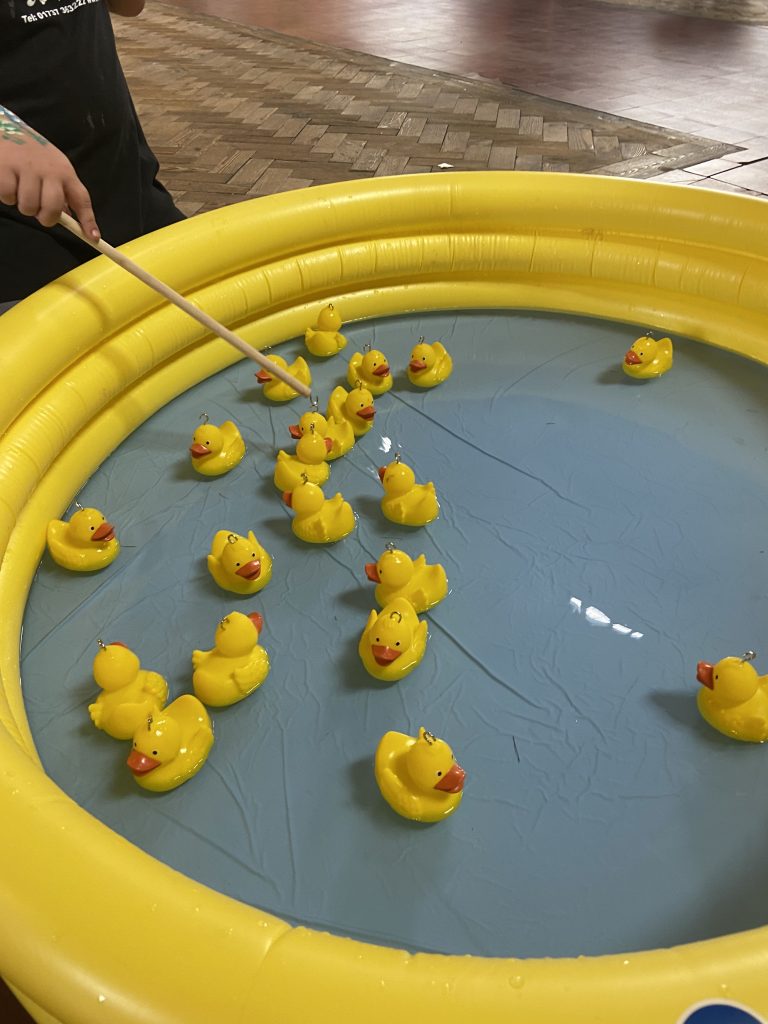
94,930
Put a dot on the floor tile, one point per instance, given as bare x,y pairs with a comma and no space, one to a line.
751,176
683,177
710,167
724,186
753,149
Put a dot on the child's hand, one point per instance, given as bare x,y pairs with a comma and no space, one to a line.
38,179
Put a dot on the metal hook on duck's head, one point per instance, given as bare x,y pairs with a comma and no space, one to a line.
367,346
314,403
390,545
102,645
429,737
421,340
397,616
149,723
78,506
204,418
311,428
397,457
232,538
749,656
305,478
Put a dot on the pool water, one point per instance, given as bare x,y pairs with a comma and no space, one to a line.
600,537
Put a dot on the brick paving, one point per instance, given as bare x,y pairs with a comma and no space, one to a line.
235,112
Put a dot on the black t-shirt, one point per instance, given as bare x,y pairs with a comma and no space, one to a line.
60,73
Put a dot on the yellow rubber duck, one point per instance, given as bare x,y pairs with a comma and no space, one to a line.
216,450
275,389
312,420
236,666
338,432
393,642
355,407
418,776
308,462
370,370
129,692
172,745
239,564
398,575
405,501
734,698
430,365
324,338
648,358
319,520
84,544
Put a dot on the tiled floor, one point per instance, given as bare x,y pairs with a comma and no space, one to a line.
695,75
233,112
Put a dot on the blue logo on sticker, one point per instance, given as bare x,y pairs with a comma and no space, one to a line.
721,1013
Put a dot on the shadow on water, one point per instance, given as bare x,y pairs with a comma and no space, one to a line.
681,708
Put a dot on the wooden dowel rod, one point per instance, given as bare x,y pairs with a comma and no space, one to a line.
178,300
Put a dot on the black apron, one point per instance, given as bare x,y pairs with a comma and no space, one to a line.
60,73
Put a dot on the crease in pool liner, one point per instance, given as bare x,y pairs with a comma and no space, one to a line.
541,855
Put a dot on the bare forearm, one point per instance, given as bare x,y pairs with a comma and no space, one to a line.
126,8
14,130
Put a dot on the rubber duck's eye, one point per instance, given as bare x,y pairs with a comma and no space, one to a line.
377,639
93,528
237,565
208,443
253,554
397,644
439,774
154,753
717,677
134,746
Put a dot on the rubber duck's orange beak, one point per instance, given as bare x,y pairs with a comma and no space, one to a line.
632,358
367,413
198,450
381,371
416,365
250,571
140,764
328,444
263,377
384,655
704,674
453,780
372,572
288,498
381,471
257,619
294,430
105,532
